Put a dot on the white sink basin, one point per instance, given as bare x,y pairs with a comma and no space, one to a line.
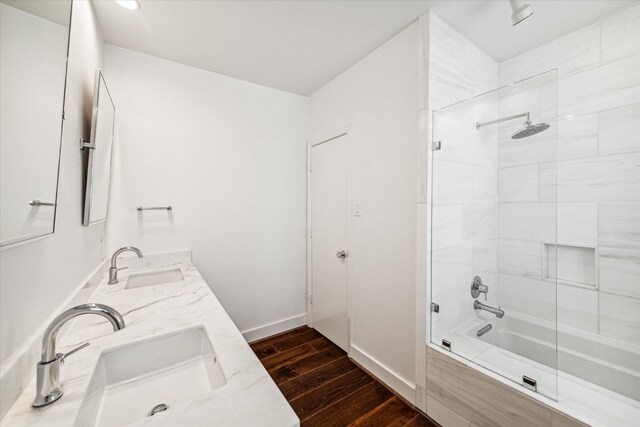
129,381
140,280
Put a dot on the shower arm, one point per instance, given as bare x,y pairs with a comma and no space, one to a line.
504,119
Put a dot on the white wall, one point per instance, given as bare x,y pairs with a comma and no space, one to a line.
33,50
598,180
378,99
38,276
229,156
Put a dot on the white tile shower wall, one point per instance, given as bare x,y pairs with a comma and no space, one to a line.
577,224
530,296
619,31
573,53
598,176
520,184
619,239
520,258
598,89
578,307
604,178
577,137
619,130
464,174
619,317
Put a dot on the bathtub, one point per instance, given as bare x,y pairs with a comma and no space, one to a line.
598,360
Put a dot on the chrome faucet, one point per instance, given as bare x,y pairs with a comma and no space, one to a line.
113,270
480,306
48,369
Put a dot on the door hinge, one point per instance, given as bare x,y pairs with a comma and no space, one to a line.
311,299
310,233
436,145
310,167
435,307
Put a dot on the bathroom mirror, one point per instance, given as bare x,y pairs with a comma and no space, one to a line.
99,147
34,36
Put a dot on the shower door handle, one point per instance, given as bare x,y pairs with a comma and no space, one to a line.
341,254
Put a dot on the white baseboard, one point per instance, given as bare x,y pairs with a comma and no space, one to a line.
401,386
269,329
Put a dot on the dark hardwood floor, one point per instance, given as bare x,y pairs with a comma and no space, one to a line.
325,388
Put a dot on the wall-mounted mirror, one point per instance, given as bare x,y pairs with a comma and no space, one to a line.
100,146
34,38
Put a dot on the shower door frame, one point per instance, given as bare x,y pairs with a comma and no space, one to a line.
436,146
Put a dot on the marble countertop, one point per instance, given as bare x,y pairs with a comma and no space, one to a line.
250,397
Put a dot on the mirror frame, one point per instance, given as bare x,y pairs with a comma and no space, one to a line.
88,196
34,237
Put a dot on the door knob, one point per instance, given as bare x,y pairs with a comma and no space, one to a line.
341,254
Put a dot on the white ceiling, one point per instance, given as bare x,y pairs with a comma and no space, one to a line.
299,46
58,11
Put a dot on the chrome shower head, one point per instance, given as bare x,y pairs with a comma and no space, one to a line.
530,129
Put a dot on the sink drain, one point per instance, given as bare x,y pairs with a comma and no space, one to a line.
158,408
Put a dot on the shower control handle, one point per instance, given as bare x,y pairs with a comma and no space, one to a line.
478,288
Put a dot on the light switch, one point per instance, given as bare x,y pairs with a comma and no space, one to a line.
356,208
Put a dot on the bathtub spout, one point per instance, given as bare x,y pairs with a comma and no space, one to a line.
480,306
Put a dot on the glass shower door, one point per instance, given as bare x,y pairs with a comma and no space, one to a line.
493,232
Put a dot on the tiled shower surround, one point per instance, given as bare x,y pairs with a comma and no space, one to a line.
598,186
463,193
494,209
551,223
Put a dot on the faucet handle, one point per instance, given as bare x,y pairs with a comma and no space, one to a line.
65,355
478,288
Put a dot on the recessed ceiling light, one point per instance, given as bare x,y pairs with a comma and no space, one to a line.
129,4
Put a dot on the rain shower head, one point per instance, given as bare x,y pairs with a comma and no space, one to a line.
528,130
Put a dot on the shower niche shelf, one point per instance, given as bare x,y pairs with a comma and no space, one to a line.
570,265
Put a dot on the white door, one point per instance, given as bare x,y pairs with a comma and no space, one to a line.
329,222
